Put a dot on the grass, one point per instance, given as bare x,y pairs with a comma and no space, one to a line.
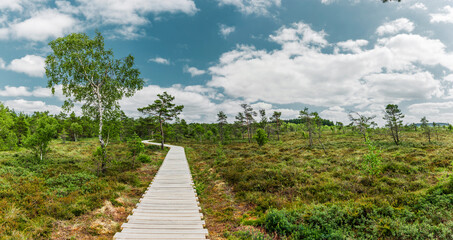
287,190
62,197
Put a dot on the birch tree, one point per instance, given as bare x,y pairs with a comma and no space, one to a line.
248,116
89,74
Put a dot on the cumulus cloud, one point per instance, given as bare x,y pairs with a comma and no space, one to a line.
132,12
225,30
31,65
193,71
299,72
42,25
336,114
445,16
354,46
12,5
15,91
29,107
396,26
38,22
393,87
419,6
23,91
159,60
258,7
434,111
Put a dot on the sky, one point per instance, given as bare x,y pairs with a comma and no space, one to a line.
331,56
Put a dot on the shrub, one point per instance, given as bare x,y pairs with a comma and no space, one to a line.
144,158
261,137
278,222
64,184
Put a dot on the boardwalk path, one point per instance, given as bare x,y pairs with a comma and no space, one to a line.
169,208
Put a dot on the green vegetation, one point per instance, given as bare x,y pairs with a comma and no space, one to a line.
62,197
357,190
261,137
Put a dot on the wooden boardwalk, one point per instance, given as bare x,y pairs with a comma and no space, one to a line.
169,209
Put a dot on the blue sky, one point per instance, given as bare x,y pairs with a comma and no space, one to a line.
333,56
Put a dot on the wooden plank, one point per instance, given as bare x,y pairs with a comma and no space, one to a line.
167,222
135,230
169,209
161,226
161,235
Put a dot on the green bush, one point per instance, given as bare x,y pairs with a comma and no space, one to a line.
144,158
64,184
280,222
261,137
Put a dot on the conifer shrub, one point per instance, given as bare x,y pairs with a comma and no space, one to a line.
261,137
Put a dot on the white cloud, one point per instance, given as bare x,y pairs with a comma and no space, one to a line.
299,72
15,92
433,111
336,114
226,30
354,46
193,71
327,2
31,65
409,48
23,91
445,16
43,25
393,87
261,105
159,60
396,26
449,78
38,22
258,7
132,12
21,105
418,5
66,7
128,32
13,5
